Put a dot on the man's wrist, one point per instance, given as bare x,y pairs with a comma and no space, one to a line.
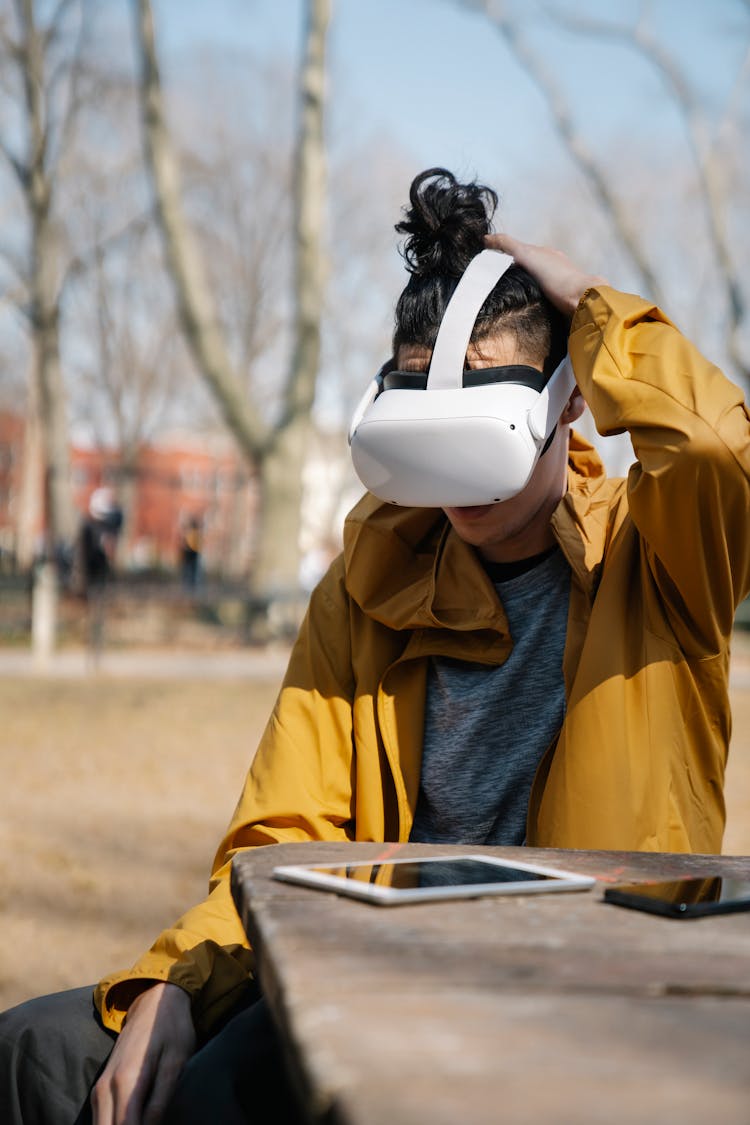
156,988
583,292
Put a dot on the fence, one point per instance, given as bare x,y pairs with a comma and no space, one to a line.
157,612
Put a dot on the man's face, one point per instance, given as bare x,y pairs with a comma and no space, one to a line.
520,527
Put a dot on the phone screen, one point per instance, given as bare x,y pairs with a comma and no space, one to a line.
694,897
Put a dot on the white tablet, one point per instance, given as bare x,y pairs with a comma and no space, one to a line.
392,881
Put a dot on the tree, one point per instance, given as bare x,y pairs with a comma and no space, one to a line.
276,449
708,158
127,355
45,86
43,94
711,159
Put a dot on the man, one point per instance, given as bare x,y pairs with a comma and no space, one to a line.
640,582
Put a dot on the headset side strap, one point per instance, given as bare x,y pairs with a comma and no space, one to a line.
545,415
371,393
478,280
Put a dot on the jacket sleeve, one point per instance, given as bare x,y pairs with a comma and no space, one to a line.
689,489
299,787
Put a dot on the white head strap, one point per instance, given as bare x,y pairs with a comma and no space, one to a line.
477,282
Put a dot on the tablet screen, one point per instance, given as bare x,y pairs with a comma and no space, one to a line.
432,877
411,874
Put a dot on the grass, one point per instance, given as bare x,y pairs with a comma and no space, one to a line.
115,795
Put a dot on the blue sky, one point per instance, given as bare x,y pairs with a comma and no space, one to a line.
438,78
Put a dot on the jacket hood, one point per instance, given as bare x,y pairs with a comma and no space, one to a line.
408,569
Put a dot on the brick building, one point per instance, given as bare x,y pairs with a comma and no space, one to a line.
180,478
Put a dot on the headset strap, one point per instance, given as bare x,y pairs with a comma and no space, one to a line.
544,416
477,282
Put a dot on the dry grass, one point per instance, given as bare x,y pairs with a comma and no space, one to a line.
115,795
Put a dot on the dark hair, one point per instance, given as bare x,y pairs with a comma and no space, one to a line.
445,226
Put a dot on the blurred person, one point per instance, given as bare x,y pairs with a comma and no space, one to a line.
93,562
191,551
549,670
97,538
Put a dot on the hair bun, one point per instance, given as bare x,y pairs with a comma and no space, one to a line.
445,224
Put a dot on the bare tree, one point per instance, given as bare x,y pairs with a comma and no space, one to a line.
127,357
572,137
276,450
284,462
708,158
236,181
710,162
43,84
46,64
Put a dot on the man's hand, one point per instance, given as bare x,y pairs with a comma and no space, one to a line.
157,1040
563,283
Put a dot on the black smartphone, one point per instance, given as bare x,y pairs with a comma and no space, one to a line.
694,897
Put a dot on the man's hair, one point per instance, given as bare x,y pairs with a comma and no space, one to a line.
445,226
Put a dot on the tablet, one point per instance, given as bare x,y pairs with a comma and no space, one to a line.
392,881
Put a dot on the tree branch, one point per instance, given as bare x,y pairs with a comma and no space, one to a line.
72,68
699,138
194,300
83,261
309,205
54,26
18,298
12,261
572,139
19,168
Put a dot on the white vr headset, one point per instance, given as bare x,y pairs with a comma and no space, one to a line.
455,438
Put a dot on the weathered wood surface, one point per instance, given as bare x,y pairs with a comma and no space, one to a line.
544,1008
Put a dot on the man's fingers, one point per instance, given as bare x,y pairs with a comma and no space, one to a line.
523,252
101,1105
170,1069
504,242
562,281
130,1087
140,1076
128,1100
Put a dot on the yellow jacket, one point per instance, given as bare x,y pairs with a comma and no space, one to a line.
659,564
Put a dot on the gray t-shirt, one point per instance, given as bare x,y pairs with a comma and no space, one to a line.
486,729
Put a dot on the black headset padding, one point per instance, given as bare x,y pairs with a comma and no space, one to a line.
519,373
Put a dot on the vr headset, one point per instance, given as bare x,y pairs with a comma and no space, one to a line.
456,438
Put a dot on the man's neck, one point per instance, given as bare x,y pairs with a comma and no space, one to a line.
504,571
527,544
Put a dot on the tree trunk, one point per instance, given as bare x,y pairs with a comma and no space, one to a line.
276,570
235,557
278,560
127,495
44,599
195,305
29,512
60,515
45,327
277,454
45,297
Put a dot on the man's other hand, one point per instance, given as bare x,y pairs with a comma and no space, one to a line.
155,1043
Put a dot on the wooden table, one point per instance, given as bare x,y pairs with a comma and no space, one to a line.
544,1009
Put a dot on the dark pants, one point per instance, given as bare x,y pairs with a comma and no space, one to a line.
53,1048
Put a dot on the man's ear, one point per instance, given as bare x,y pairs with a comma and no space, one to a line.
574,408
